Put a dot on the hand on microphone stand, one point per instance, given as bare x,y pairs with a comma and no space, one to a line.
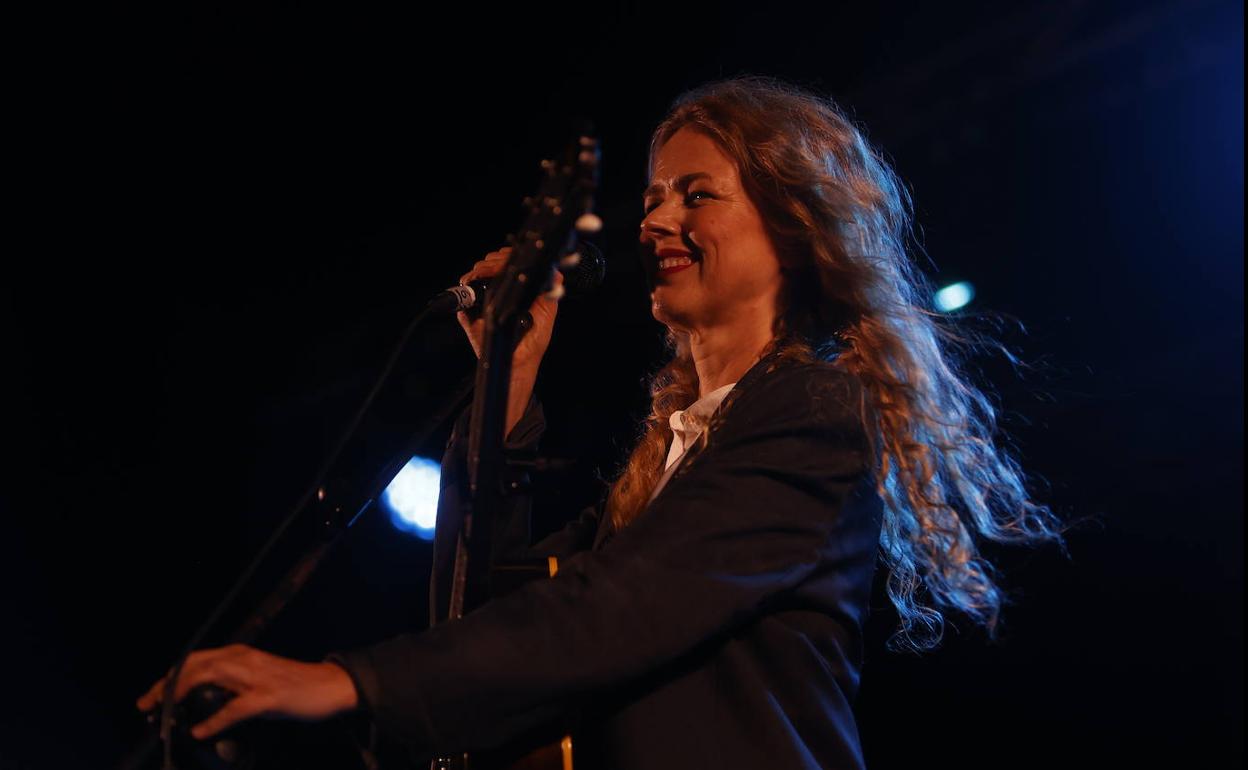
531,347
264,685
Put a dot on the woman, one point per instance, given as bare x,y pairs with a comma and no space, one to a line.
711,613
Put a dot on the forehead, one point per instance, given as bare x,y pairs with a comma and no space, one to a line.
690,152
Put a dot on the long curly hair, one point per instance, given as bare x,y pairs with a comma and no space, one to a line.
840,220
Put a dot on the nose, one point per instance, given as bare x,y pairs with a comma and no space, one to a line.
661,222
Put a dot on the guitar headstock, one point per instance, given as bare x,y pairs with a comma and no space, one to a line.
560,212
565,193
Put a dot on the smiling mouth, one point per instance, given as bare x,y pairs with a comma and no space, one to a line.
672,263
672,269
667,264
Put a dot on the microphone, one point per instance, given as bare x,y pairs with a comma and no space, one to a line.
583,270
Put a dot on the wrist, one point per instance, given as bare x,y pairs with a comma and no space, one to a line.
525,372
340,688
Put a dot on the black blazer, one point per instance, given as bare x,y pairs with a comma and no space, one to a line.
721,629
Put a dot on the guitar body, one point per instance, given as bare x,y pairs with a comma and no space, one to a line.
551,756
547,755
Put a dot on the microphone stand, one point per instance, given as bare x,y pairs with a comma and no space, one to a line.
337,509
561,210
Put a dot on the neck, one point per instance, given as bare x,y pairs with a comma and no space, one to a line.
723,354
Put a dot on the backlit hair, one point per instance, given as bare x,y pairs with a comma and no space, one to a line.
839,219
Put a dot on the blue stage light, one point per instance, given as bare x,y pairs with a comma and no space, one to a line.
412,497
954,296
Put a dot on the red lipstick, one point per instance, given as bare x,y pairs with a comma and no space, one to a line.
669,253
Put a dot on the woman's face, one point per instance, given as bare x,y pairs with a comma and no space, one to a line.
706,253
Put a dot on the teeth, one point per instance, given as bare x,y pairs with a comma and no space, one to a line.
667,262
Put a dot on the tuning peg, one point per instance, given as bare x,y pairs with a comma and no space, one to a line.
588,223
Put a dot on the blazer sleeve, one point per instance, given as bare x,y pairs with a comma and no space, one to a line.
758,513
512,529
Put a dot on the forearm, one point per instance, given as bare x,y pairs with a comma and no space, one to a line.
511,529
521,390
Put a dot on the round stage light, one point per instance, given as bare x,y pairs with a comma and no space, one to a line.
412,497
954,296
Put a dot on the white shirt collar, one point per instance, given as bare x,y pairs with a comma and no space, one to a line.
687,424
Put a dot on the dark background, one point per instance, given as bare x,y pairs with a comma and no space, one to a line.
225,219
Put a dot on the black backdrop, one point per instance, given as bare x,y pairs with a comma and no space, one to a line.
230,215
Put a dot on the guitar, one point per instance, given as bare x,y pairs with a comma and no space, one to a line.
556,215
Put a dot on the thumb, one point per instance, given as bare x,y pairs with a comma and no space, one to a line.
556,290
548,303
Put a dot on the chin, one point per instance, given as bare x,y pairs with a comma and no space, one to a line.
668,313
673,298
680,309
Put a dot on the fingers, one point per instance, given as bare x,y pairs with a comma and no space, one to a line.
222,666
488,267
493,264
262,685
547,304
556,287
474,328
543,310
148,700
234,711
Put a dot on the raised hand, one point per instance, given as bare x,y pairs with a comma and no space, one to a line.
532,346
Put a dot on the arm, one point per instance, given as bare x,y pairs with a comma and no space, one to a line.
756,516
512,530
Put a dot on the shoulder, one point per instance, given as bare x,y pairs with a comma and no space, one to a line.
814,389
819,381
812,396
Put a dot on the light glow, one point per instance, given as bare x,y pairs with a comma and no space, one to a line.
954,296
412,497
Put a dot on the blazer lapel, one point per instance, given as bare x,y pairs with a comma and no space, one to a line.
761,367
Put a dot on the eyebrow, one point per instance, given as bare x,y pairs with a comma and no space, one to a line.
681,183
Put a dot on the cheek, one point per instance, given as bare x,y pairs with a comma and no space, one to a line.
708,235
734,252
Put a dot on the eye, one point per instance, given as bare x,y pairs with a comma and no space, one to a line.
693,196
